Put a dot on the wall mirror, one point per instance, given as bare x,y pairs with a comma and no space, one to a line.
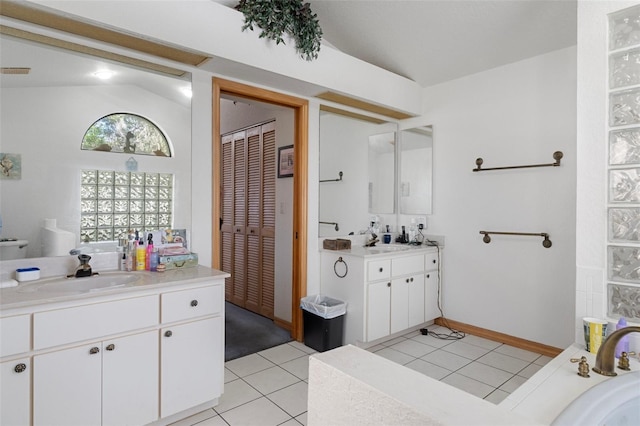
381,170
416,171
46,112
344,203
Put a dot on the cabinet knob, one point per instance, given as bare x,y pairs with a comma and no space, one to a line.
168,333
388,284
380,270
194,303
434,261
407,280
94,350
20,368
111,347
428,275
411,279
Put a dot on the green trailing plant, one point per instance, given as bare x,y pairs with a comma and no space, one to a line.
276,17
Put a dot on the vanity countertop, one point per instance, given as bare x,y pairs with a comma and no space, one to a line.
380,250
17,297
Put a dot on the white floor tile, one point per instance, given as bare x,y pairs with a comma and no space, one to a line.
497,396
518,353
214,421
529,370
486,374
468,385
236,393
271,379
542,360
503,362
290,422
299,367
292,399
395,356
413,348
302,418
196,418
258,412
229,375
480,341
446,360
512,384
281,353
302,347
432,341
428,369
466,350
248,365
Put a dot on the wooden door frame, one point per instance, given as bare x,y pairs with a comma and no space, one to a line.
300,177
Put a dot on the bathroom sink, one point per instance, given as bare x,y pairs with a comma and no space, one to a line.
387,248
103,281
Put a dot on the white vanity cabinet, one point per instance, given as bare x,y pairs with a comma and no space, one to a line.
152,354
15,392
385,293
112,382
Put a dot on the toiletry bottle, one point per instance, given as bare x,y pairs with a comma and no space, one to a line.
130,256
623,343
149,251
123,261
153,262
141,256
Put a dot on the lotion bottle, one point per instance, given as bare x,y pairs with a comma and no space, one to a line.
149,251
141,256
623,343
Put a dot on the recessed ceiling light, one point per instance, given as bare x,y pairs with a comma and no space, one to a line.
186,91
104,74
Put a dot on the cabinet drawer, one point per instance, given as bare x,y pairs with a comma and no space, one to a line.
378,269
431,261
15,335
70,325
187,304
407,265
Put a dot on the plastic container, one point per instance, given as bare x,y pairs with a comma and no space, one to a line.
27,274
323,322
623,343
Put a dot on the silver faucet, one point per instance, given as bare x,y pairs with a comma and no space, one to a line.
605,359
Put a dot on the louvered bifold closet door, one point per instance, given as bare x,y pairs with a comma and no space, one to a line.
238,273
254,173
226,225
268,217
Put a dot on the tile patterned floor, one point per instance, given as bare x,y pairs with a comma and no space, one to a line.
270,387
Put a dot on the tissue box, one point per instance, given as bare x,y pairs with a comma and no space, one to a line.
179,261
337,244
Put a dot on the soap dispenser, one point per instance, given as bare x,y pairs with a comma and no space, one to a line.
623,343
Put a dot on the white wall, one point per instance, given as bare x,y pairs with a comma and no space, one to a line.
46,126
591,218
513,115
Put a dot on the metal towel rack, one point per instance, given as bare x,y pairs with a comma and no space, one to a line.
556,156
546,243
331,223
333,180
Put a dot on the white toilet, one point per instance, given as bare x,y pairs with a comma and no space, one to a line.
13,249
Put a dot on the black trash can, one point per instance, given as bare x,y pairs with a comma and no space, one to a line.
323,322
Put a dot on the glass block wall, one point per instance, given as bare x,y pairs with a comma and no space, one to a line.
623,236
112,203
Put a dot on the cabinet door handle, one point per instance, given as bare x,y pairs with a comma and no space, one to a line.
407,280
194,303
411,279
94,350
168,333
111,347
388,284
428,275
434,261
20,368
380,270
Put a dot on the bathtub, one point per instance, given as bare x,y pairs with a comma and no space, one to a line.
615,401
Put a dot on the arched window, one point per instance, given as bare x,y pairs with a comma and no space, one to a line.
128,133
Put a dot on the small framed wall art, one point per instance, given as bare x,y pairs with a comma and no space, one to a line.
285,161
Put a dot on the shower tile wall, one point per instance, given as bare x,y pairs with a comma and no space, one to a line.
623,236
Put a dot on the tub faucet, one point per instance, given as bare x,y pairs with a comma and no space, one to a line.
605,359
84,269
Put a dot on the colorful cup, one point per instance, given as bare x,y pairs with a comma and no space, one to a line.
386,238
595,331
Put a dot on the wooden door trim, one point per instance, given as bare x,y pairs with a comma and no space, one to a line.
300,178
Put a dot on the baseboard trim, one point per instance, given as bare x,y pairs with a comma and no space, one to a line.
500,337
282,324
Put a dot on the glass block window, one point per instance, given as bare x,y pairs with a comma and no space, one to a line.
128,133
112,203
623,221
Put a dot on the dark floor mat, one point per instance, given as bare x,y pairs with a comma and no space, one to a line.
247,333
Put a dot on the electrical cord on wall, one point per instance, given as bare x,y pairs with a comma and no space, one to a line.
454,334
